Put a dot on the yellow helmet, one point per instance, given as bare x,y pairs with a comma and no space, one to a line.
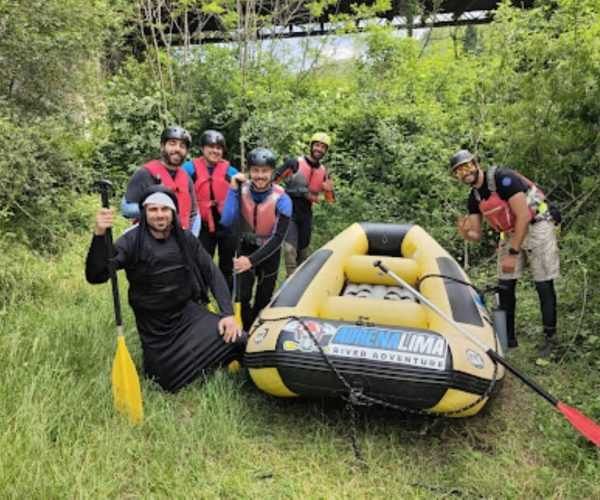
321,137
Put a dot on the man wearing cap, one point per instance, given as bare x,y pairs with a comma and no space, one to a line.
265,212
168,271
175,142
307,179
517,208
211,174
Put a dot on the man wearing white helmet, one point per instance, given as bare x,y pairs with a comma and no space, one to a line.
307,179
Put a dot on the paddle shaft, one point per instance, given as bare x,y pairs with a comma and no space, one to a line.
238,249
492,354
111,268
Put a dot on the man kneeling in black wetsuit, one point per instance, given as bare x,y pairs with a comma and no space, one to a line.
168,271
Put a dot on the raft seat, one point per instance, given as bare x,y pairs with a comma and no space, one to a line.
360,269
379,311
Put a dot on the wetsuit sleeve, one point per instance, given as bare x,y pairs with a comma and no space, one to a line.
188,166
196,225
284,214
231,171
194,209
129,210
213,278
138,183
508,183
96,264
231,208
290,167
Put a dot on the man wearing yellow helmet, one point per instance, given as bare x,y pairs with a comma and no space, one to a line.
307,179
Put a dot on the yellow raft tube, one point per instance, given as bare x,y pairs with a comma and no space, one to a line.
373,335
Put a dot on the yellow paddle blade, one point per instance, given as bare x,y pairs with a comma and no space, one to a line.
237,310
127,393
234,367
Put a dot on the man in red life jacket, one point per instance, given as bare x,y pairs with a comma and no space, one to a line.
174,144
516,207
308,178
211,175
265,216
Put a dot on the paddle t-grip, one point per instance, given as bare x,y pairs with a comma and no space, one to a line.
104,186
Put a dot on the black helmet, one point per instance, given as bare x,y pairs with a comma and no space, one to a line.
157,188
461,157
261,156
176,132
212,137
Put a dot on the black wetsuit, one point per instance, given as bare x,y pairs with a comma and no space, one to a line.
180,339
300,230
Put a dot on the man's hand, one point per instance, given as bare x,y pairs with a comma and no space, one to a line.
464,226
469,227
105,219
229,329
241,264
237,180
509,263
328,183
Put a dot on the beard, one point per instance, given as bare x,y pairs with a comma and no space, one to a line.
174,159
317,154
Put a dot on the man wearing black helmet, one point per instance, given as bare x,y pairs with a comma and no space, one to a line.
211,175
517,208
307,179
265,212
168,270
175,142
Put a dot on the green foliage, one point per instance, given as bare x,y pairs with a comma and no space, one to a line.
61,437
51,53
42,173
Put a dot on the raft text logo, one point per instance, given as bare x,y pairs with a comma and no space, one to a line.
415,348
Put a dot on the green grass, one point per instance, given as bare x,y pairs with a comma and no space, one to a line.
60,437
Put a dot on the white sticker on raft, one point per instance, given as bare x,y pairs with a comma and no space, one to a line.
406,347
402,358
414,348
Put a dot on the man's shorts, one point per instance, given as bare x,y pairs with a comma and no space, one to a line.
539,250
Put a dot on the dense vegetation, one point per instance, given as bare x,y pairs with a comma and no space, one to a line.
77,102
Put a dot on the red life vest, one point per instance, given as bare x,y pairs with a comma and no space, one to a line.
497,211
211,190
307,181
180,186
259,219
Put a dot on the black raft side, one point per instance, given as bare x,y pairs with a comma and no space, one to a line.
295,286
463,306
385,239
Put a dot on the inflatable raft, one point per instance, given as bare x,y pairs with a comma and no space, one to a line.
374,337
